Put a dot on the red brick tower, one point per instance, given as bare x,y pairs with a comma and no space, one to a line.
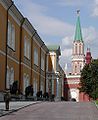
88,57
72,80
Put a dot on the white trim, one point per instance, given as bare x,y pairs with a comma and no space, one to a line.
35,40
52,53
14,17
77,59
35,71
25,65
24,26
73,76
42,76
13,59
72,82
2,52
6,7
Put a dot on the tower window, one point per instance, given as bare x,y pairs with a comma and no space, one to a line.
79,48
76,49
75,69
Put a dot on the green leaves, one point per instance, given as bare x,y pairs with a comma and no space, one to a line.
89,79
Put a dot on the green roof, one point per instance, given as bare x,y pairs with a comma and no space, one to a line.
78,33
54,48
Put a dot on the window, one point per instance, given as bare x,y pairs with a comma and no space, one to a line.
26,82
35,86
9,77
76,49
27,50
11,35
35,56
80,49
42,85
75,69
42,63
25,46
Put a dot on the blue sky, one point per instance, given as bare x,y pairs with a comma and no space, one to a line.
55,22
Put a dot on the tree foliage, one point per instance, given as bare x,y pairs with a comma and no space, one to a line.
89,79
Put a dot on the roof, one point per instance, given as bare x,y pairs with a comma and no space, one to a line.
78,33
54,48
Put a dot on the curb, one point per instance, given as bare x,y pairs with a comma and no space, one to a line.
96,105
11,111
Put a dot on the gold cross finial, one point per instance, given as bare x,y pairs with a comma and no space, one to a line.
78,12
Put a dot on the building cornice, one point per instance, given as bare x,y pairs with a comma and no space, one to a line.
73,76
28,27
16,15
6,3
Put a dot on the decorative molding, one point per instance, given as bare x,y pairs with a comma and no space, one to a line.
13,59
2,52
25,65
72,82
14,17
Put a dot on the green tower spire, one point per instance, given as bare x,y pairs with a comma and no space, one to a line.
78,33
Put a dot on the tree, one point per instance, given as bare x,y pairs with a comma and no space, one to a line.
89,79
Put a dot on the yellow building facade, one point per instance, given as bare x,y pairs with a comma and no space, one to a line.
55,74
22,52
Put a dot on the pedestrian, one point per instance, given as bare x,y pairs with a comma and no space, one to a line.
7,98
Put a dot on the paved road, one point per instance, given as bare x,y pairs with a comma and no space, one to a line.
56,111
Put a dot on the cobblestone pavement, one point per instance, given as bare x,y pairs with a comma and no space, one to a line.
56,111
13,106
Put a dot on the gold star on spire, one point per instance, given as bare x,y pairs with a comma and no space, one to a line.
78,12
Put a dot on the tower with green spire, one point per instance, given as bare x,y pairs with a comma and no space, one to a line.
78,57
78,33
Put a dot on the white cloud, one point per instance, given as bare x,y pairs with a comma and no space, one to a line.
95,8
51,26
67,41
90,38
90,34
45,24
66,52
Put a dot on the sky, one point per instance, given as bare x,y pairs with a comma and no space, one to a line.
55,22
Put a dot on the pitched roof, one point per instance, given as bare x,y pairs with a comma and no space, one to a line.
78,33
54,48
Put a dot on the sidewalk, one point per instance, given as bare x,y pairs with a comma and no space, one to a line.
14,106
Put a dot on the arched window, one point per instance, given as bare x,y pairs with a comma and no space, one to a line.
28,49
26,80
35,86
75,69
35,56
42,85
11,35
25,44
80,67
76,48
79,48
11,76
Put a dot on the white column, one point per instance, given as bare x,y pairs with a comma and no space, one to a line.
52,78
57,94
